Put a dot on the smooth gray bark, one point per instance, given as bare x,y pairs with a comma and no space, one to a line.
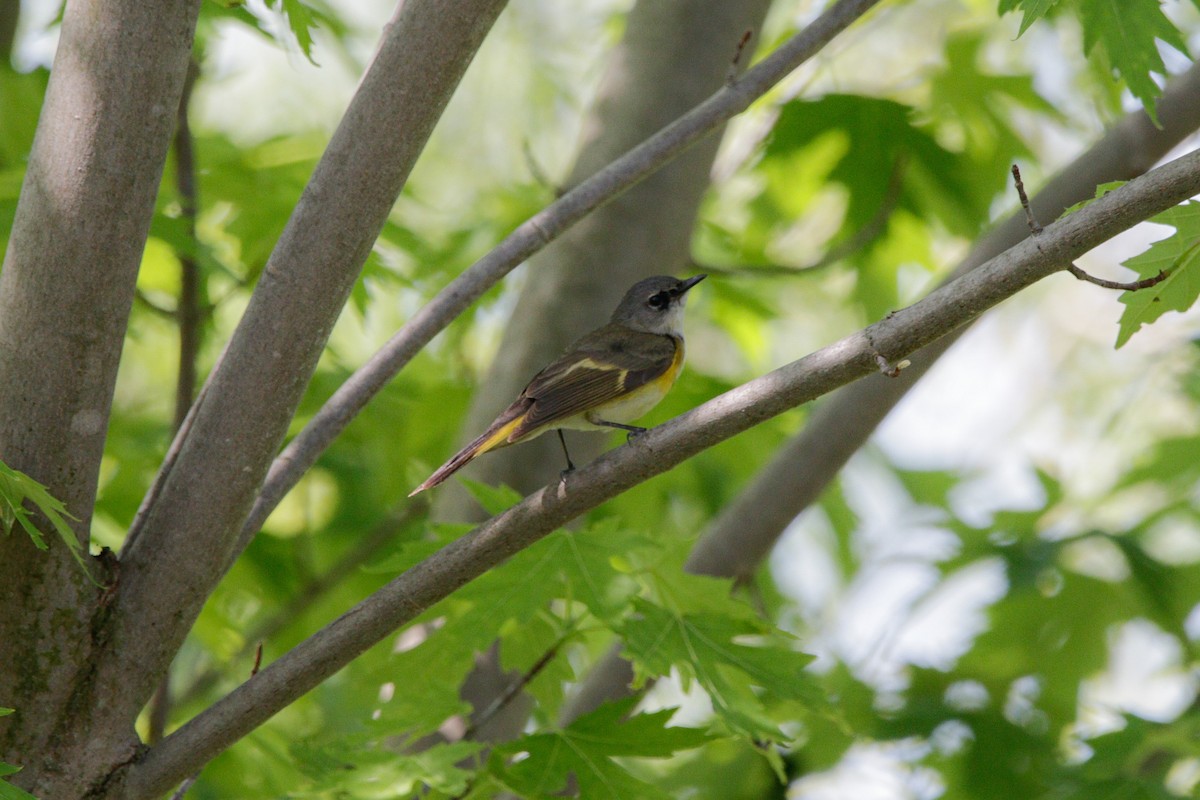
187,528
66,290
653,453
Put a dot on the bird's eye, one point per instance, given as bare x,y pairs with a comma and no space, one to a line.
659,301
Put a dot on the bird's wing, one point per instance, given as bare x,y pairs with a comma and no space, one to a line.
600,367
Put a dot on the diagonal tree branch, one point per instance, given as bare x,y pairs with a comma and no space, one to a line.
531,236
737,541
734,543
674,54
182,537
657,451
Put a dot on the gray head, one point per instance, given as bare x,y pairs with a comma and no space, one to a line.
655,305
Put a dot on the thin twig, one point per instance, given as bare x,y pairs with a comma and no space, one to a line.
537,173
1035,228
188,311
1131,286
187,316
513,689
734,65
183,787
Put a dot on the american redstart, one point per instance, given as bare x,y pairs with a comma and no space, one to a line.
607,379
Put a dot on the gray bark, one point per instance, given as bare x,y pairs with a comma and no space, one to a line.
535,233
86,662
180,544
655,452
674,54
65,293
737,541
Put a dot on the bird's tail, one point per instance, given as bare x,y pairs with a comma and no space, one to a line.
495,436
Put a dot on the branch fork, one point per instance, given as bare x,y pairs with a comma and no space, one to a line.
1035,229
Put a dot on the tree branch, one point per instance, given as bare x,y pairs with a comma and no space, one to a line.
531,236
656,451
682,50
188,311
179,544
187,317
735,543
1035,228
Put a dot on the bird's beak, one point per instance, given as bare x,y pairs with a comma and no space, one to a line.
690,282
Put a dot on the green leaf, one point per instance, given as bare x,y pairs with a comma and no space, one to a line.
587,749
573,565
978,106
7,790
871,152
15,489
1127,31
361,766
702,647
1034,10
493,499
1179,256
301,19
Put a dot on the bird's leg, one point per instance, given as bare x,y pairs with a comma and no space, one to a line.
570,466
631,430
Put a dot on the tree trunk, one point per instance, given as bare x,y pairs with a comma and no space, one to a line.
65,295
80,664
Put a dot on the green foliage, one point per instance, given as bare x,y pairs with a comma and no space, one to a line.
18,489
704,648
1034,10
1127,32
7,790
878,180
301,20
890,168
1179,257
585,751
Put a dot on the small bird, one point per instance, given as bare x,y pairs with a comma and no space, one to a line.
607,379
